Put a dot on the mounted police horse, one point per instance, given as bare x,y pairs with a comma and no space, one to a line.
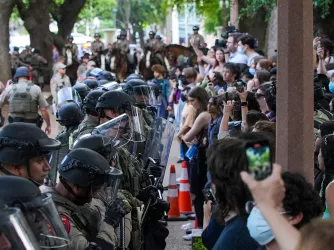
173,53
119,65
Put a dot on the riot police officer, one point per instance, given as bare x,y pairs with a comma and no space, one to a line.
150,47
70,51
82,89
91,82
38,210
37,63
24,100
196,40
84,175
97,46
91,119
69,115
25,151
133,76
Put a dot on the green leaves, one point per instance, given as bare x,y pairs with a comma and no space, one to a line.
324,6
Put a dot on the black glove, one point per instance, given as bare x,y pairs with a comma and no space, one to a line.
158,209
156,171
147,193
116,211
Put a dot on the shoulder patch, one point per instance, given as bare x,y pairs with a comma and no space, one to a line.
66,222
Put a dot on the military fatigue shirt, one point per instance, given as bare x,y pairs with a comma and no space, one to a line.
58,82
122,45
197,40
85,127
97,46
72,47
35,92
96,227
151,44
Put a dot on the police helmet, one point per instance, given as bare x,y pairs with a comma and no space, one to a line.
106,75
91,82
22,72
82,166
97,35
90,101
122,33
118,101
98,143
152,33
102,82
70,37
23,141
82,89
158,37
94,72
70,114
128,87
133,76
195,27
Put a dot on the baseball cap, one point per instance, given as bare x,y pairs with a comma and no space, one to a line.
60,66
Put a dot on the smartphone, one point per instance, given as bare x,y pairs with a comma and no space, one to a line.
239,85
208,196
259,159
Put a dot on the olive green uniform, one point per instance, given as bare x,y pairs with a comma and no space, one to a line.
84,223
85,127
24,100
37,63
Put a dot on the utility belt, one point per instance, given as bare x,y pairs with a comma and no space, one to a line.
38,121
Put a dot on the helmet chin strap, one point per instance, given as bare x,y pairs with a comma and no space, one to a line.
69,189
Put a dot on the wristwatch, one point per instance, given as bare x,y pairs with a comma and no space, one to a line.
244,104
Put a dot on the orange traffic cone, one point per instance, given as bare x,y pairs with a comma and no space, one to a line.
184,194
173,198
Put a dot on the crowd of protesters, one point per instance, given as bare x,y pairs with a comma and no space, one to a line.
219,105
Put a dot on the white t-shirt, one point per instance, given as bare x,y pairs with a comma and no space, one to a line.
251,58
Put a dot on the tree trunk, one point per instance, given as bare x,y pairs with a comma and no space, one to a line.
6,10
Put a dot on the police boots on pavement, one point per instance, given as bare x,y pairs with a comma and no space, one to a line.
25,100
38,210
69,115
59,81
84,175
25,152
91,119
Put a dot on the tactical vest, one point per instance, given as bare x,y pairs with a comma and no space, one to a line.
85,127
85,218
35,62
21,101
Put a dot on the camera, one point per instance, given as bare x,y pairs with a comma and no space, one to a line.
225,35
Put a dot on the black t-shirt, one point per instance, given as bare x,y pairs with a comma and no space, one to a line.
235,236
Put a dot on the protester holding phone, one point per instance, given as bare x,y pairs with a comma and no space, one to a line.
226,158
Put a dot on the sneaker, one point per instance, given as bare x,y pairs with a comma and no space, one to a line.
187,226
188,237
179,161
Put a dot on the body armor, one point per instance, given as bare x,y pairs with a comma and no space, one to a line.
85,127
21,101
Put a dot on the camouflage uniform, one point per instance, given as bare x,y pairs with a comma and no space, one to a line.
197,40
134,179
83,223
37,62
66,139
85,127
97,47
70,51
25,57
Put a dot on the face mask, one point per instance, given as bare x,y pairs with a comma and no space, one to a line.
258,227
240,50
331,87
252,71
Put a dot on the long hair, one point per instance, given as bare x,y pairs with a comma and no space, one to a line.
327,151
202,96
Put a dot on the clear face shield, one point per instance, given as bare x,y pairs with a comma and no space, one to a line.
145,96
66,95
111,86
124,128
15,232
105,187
42,216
